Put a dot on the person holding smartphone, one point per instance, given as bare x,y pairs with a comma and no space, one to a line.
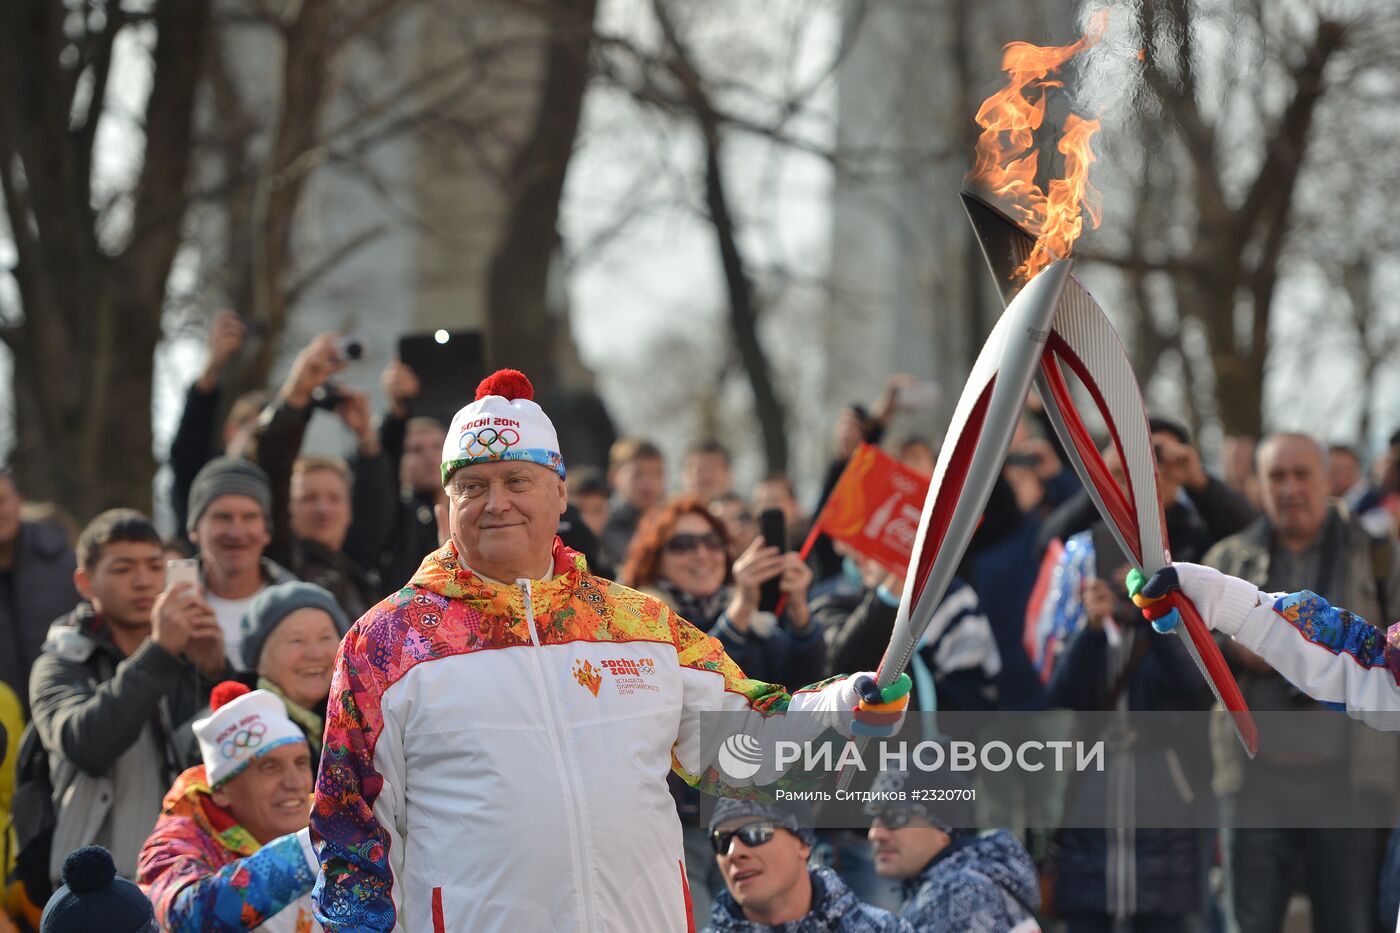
135,658
680,554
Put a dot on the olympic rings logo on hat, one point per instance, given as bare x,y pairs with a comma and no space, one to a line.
488,442
243,743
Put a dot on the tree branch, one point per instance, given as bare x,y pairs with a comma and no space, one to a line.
101,64
328,262
743,310
1287,147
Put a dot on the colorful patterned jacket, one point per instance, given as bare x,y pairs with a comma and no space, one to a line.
204,872
834,910
496,754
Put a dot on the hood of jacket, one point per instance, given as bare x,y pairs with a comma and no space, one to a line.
80,634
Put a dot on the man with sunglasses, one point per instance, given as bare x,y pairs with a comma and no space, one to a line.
953,879
499,730
762,851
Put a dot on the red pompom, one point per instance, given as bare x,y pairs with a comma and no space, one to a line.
226,692
508,383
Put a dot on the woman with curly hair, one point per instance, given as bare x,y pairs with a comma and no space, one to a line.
680,555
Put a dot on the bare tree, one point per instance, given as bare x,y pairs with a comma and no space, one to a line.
723,85
84,333
93,269
1238,128
743,308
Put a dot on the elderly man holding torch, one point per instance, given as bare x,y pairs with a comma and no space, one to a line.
500,730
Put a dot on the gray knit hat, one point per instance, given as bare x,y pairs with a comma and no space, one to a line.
228,476
943,797
272,605
793,816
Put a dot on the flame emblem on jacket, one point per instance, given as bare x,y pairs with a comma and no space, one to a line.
588,676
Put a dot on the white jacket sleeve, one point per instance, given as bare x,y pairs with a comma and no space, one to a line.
1330,654
721,706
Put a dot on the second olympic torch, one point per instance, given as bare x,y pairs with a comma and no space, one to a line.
971,458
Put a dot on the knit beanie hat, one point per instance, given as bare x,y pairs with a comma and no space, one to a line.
94,898
275,603
504,423
943,797
793,816
224,476
243,725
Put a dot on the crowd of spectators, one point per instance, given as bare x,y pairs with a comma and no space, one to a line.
112,669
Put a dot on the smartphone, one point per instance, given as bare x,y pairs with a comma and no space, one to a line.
182,571
772,524
448,365
917,396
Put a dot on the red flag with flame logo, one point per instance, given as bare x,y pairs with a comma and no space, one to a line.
875,508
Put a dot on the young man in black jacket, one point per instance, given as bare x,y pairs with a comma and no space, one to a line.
114,677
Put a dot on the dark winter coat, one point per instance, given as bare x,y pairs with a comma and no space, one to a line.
957,653
41,590
1216,511
192,447
348,574
1128,872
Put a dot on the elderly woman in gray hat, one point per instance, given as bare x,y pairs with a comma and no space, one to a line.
290,635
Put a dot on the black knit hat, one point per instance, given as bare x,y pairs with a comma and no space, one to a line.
275,603
228,476
94,898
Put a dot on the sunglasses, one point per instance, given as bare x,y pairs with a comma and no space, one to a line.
893,817
685,542
750,834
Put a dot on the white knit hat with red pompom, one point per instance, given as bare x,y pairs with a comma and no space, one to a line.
504,423
242,726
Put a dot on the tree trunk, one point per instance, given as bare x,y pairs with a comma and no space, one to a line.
743,307
520,330
743,310
974,305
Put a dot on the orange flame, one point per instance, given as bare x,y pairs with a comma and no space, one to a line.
1006,158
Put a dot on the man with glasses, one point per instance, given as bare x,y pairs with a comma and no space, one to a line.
499,730
953,879
762,851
